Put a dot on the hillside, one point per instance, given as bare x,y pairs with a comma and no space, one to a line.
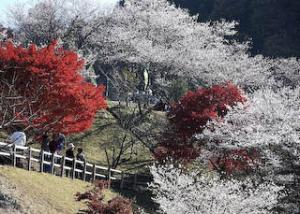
32,192
107,134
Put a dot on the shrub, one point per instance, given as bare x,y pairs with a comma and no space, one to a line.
96,205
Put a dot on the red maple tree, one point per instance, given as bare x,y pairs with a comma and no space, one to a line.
42,88
190,115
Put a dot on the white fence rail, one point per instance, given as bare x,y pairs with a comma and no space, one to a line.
52,162
64,166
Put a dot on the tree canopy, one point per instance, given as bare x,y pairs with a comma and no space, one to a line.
42,88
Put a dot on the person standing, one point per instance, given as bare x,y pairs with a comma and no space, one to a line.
53,147
18,137
70,151
45,147
81,157
61,140
53,143
45,143
70,154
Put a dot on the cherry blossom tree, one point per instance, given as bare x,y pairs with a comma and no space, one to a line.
268,123
137,38
177,45
65,21
190,193
268,118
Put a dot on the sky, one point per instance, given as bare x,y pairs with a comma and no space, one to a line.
3,7
5,4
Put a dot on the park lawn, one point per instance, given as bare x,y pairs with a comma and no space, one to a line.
45,193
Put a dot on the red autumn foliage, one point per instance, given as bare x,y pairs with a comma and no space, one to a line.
190,115
48,92
119,205
96,205
177,151
235,161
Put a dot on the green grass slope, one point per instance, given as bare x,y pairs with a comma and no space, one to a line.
40,193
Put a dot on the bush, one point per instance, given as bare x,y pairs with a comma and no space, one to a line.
96,205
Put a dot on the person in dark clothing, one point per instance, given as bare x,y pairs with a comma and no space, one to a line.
81,157
45,143
53,144
45,147
70,154
70,151
61,140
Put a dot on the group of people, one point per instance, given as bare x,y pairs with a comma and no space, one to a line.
79,156
54,145
70,153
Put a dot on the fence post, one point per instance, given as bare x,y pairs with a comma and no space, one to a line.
42,161
52,163
14,159
135,181
122,181
29,159
84,170
73,168
94,173
62,166
108,176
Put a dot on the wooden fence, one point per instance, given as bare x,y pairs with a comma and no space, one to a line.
64,166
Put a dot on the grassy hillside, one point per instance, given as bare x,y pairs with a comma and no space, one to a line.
43,193
107,134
